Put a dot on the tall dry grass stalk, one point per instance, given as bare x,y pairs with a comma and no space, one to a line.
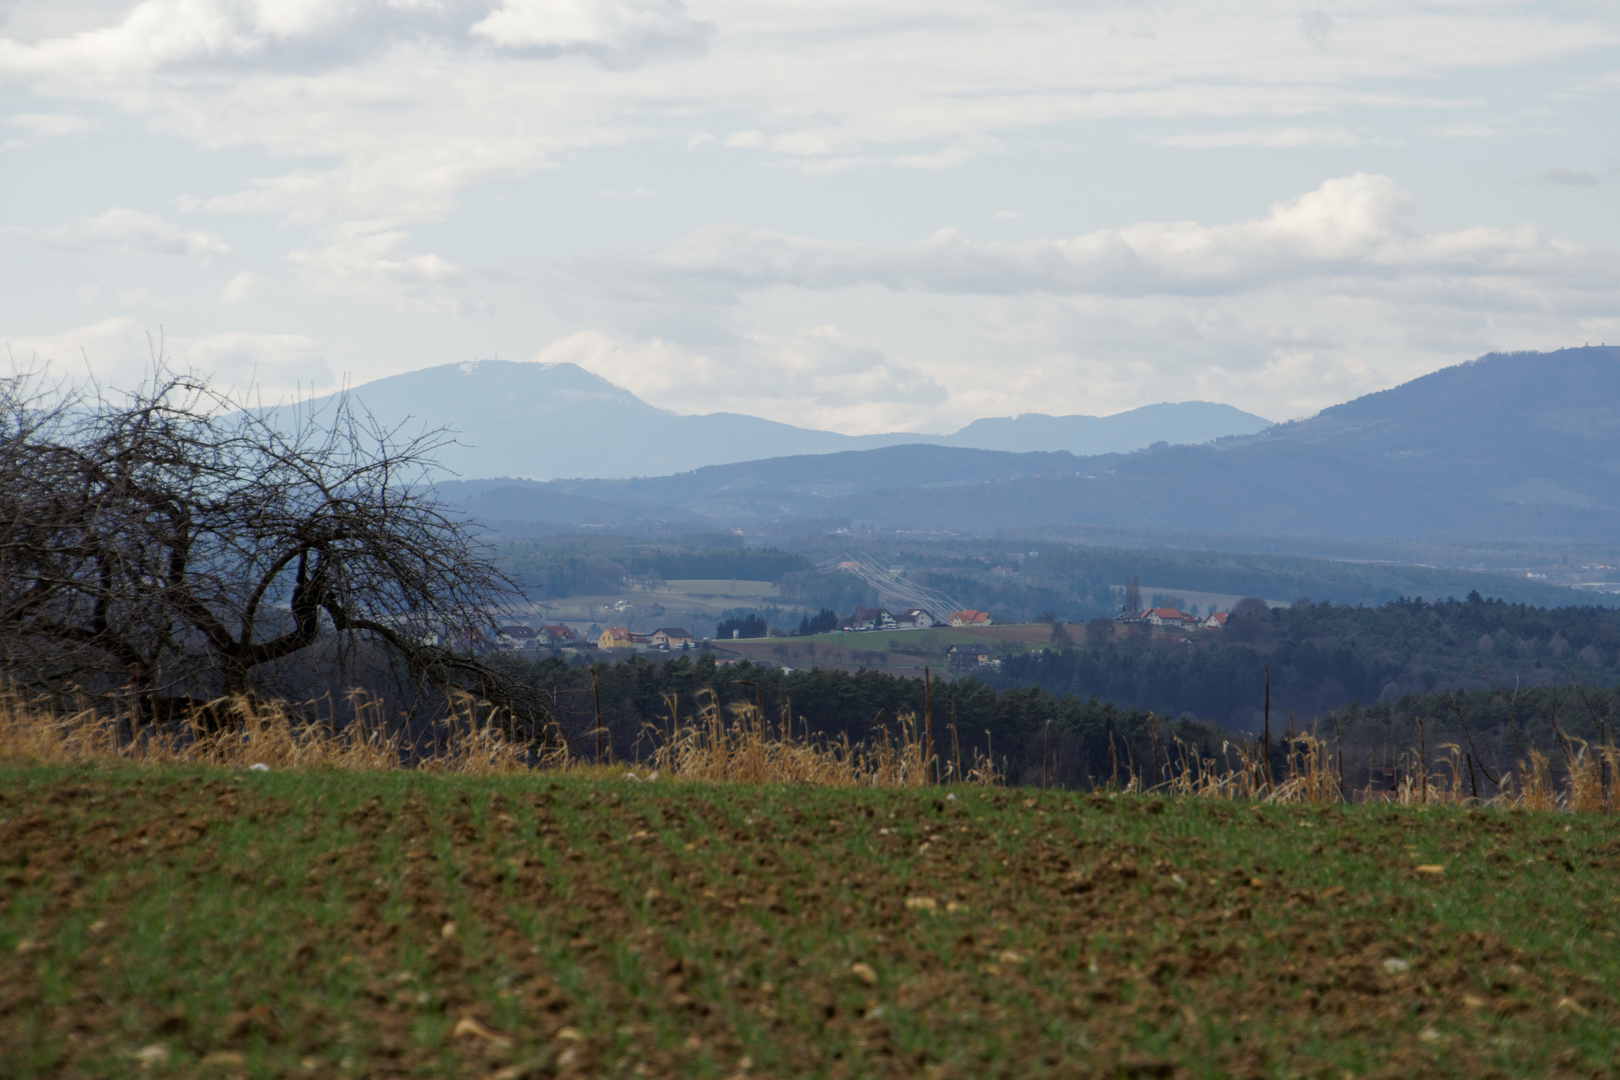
738,744
1313,774
1241,773
266,733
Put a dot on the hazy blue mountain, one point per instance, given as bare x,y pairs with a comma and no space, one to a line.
550,420
1186,422
558,420
1522,446
773,489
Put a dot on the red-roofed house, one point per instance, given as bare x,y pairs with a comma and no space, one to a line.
1168,616
969,617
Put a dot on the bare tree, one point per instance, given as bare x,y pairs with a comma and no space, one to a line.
176,544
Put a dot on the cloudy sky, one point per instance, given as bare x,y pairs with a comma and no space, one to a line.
873,215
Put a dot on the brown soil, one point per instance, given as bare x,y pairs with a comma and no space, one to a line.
411,926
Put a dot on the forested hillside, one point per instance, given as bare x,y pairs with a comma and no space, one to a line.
1323,657
1081,740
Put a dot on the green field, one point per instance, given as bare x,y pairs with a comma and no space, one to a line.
184,922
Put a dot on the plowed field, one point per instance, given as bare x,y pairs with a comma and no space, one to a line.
191,923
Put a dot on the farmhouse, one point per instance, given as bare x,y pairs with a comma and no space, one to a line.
669,637
969,617
515,637
872,619
962,657
1215,620
915,618
614,637
1169,616
558,635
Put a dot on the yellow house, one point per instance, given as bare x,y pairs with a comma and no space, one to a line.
614,637
970,617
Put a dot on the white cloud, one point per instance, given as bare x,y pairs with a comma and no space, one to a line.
1464,131
49,124
115,349
372,118
239,287
269,366
814,377
1567,177
119,354
1270,137
1351,227
1326,296
612,29
390,108
366,266
122,229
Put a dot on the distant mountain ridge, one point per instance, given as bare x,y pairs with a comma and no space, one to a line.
549,421
1522,446
1177,423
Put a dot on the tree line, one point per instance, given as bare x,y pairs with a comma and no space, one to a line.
1323,657
1039,735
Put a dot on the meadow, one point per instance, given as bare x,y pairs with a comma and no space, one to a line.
179,919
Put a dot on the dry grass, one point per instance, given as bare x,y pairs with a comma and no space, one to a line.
267,733
1313,775
738,744
745,747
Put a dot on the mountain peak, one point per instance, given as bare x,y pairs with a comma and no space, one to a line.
548,421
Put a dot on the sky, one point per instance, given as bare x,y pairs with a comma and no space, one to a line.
861,216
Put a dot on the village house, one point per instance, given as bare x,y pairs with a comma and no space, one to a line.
1169,616
1215,620
969,617
669,637
914,619
515,637
872,619
558,635
614,637
963,657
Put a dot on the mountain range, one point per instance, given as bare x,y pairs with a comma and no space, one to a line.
544,421
1518,446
